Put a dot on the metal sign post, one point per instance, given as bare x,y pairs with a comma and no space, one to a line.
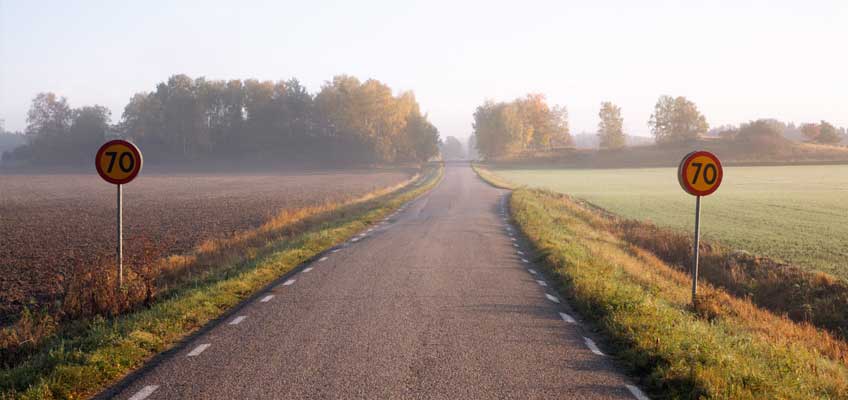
697,249
118,162
699,174
120,248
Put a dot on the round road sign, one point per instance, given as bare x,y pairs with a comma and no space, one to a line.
118,161
700,173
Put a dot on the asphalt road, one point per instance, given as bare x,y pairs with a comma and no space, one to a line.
434,303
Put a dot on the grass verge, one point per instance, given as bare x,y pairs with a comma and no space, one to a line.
794,289
726,348
88,354
491,178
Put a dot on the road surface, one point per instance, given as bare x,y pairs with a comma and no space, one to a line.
434,303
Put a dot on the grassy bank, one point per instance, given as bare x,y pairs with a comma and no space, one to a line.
492,178
88,354
727,348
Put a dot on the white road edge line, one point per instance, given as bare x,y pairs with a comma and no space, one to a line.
636,392
592,346
237,320
307,269
552,298
144,392
267,298
567,318
323,258
199,349
289,282
542,283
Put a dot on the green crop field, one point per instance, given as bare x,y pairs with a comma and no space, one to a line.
797,214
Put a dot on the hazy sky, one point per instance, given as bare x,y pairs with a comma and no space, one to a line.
738,60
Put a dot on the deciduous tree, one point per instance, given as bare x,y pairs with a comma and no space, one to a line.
676,120
610,131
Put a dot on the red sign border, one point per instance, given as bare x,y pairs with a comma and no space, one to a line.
136,152
681,175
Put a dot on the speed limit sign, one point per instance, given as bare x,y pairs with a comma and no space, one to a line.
699,174
118,162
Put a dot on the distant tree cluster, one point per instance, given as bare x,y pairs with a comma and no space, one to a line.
452,149
676,120
502,129
823,133
768,132
196,119
59,134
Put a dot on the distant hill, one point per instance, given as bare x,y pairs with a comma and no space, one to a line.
590,140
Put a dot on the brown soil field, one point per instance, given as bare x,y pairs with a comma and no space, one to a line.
51,225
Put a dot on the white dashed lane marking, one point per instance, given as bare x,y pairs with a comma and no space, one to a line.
636,392
552,298
531,270
323,259
524,260
592,346
307,269
199,349
515,244
237,320
567,318
513,239
542,283
267,298
336,250
288,282
144,392
521,253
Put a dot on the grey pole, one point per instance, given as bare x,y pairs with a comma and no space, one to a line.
697,249
120,246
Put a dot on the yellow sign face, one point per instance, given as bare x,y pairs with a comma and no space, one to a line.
118,162
700,173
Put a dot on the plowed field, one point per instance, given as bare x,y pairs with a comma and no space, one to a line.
52,224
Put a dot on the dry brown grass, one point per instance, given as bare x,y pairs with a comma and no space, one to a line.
647,261
811,297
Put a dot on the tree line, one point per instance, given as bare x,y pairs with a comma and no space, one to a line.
185,119
503,129
527,123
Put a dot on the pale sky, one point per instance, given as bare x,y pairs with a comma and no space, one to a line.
738,60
